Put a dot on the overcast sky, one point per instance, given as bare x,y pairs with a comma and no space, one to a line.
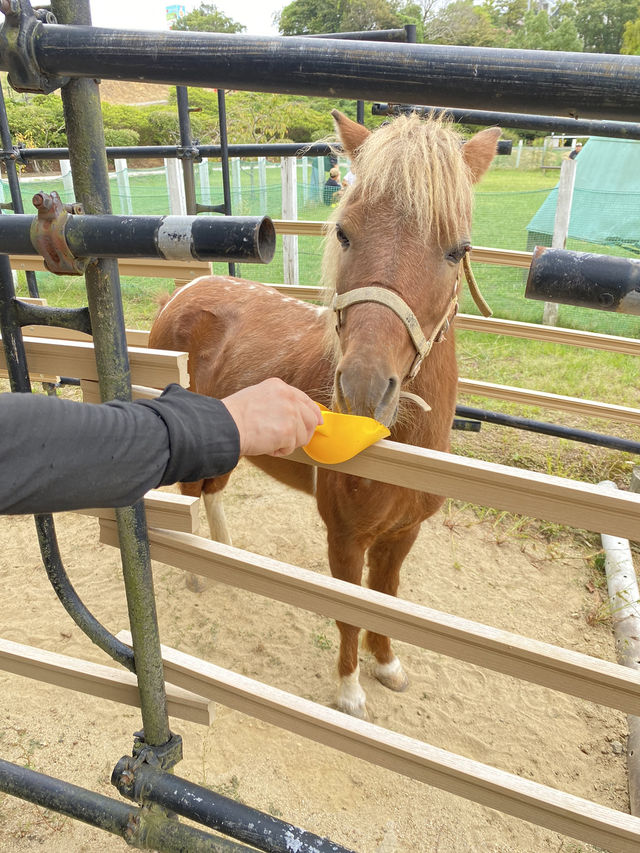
256,15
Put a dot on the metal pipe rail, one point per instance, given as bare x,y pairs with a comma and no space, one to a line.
138,827
552,124
143,783
145,152
584,436
605,282
405,34
250,239
542,82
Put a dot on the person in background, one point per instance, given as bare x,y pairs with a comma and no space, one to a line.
332,186
574,153
58,455
349,179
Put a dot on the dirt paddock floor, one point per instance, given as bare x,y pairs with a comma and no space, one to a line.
474,566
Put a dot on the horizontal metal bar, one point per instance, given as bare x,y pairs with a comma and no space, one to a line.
146,152
139,829
537,81
144,784
604,282
364,35
585,436
250,239
550,124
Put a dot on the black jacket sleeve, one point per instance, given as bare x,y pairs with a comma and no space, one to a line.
58,454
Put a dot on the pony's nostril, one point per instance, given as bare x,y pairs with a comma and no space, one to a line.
390,393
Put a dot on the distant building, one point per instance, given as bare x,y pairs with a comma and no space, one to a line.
175,12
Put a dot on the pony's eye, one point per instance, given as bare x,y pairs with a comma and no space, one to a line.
456,254
342,237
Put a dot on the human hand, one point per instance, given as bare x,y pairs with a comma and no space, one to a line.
273,418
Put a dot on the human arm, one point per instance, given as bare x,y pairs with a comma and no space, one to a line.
57,454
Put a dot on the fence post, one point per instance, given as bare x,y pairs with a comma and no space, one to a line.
561,226
175,188
124,188
289,211
67,180
305,181
236,173
519,154
203,177
262,178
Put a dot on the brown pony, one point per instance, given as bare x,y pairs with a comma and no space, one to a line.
400,233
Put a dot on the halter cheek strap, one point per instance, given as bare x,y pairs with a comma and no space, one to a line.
401,309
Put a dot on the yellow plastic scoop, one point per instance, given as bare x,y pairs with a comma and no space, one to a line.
341,437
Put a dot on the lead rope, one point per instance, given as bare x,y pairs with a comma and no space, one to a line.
478,298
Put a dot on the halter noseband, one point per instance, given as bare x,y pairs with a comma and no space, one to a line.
401,309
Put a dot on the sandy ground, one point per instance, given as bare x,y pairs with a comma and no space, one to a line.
491,571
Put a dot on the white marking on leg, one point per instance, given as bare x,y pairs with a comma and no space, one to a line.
351,697
217,519
388,670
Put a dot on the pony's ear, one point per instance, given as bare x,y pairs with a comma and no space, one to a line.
351,134
480,150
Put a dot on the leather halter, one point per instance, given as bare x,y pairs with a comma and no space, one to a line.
401,309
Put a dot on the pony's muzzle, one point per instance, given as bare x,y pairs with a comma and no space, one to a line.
360,393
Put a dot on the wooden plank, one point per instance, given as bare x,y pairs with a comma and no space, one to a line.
551,334
139,267
596,680
163,509
548,807
152,367
134,337
94,679
517,490
575,405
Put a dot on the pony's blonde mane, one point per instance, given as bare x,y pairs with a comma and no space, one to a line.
417,163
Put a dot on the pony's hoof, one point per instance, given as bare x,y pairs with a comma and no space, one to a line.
195,583
392,675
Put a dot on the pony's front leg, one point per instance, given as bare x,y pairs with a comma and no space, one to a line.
211,491
385,558
346,560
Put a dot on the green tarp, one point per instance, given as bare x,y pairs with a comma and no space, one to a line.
606,197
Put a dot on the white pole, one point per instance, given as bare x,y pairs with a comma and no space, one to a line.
262,177
124,188
561,226
305,180
236,175
175,187
624,600
67,180
205,186
519,154
289,211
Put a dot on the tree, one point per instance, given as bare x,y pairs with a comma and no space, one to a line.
304,17
601,23
540,31
207,18
463,23
507,15
631,38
